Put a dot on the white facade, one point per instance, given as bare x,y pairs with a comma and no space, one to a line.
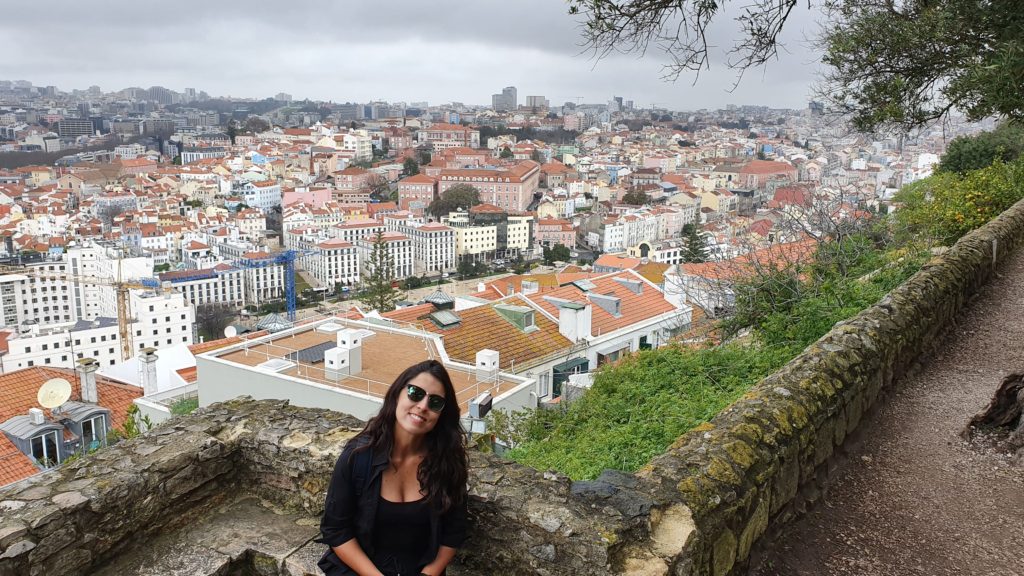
160,320
334,261
433,246
400,247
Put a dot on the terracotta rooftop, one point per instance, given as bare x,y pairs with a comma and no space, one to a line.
633,307
18,393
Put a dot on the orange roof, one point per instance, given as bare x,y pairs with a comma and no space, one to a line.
189,375
777,255
633,307
484,327
617,261
18,391
766,167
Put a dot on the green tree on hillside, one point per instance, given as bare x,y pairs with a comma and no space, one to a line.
410,167
695,247
967,153
636,197
556,253
506,153
378,278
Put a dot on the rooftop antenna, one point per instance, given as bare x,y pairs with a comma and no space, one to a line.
54,393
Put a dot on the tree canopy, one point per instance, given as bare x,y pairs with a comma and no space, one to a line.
966,153
636,197
892,64
458,197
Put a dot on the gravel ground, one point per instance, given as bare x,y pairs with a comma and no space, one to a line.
912,498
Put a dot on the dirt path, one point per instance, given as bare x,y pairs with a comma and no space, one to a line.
912,498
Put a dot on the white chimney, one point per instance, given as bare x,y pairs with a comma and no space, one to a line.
147,371
480,287
351,343
487,365
87,378
36,416
574,320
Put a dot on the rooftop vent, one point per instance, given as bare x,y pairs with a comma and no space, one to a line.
634,286
276,365
329,328
445,319
608,302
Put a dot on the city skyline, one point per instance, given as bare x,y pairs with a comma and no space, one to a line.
402,53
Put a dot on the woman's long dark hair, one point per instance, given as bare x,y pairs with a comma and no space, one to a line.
443,472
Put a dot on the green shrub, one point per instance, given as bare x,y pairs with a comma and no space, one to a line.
946,206
966,153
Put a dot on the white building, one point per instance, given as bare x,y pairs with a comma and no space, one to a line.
333,261
160,320
433,245
221,284
400,247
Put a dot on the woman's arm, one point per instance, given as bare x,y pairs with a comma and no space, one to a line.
353,556
444,556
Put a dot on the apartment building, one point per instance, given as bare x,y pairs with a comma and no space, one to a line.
263,278
433,244
400,247
159,320
190,155
262,195
441,136
221,284
334,261
552,231
510,189
415,193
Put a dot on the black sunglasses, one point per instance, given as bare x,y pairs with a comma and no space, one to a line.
434,402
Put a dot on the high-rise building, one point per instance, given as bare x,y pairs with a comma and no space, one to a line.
73,127
536,102
507,100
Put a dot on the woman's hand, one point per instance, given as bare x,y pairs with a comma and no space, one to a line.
445,554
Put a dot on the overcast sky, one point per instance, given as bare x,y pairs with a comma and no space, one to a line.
348,50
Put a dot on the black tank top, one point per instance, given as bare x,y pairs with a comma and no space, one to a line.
401,536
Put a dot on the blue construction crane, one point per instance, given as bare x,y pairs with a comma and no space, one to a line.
287,259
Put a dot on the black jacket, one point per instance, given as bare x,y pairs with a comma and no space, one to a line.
350,510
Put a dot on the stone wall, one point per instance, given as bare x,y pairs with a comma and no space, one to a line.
696,510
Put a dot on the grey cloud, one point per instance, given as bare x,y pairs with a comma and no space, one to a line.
340,50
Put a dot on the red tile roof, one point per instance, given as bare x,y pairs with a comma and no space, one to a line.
633,307
18,391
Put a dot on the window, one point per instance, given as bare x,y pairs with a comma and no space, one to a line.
44,449
94,432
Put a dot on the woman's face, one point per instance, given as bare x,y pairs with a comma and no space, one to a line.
415,417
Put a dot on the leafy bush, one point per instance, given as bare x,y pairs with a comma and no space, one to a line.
946,206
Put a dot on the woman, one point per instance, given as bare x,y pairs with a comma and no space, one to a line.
397,500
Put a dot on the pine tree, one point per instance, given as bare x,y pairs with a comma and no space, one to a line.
695,247
378,276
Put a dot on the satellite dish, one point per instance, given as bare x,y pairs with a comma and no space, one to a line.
230,331
54,392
